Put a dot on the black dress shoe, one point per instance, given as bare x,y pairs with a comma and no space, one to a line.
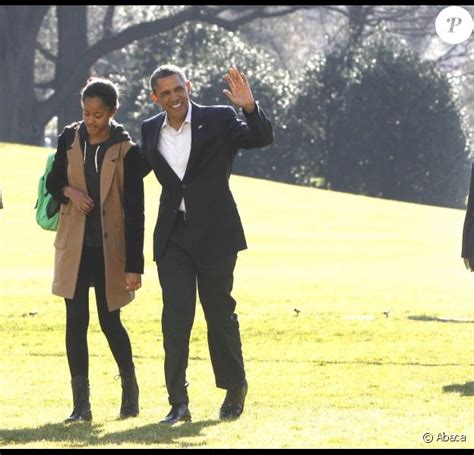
233,404
178,412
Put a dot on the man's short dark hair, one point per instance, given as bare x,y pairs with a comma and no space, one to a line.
165,71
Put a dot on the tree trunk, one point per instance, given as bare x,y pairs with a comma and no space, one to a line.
19,26
72,43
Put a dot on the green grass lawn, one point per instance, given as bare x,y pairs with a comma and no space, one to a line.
380,353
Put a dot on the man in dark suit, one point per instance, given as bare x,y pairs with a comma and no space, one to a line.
198,233
467,251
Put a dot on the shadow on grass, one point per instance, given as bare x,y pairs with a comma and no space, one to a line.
466,390
436,319
86,434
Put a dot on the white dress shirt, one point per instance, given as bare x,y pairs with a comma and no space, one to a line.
175,146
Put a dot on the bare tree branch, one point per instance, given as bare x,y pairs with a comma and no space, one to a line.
336,9
48,55
402,19
396,14
411,33
107,24
207,14
47,108
452,53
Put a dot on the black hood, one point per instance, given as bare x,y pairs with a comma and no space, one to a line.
117,134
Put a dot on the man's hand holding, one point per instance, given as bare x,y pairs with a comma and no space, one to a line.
133,281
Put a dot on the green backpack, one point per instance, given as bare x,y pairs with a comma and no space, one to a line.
47,208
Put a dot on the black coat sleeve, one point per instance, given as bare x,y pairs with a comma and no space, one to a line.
134,209
144,164
467,233
57,178
255,132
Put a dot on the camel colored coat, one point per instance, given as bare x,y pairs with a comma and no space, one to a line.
70,234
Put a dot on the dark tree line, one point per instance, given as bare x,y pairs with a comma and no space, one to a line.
365,115
370,119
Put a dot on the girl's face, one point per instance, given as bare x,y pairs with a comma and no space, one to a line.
97,116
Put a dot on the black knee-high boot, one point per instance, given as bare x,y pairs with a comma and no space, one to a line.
129,406
80,395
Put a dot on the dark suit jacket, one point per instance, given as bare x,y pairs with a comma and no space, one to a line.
468,229
213,220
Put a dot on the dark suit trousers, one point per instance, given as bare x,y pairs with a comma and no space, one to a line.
179,273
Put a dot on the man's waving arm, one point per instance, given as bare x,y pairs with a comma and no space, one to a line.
257,130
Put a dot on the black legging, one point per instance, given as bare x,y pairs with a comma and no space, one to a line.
92,270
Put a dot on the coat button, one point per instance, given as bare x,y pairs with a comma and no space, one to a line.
103,212
183,185
105,235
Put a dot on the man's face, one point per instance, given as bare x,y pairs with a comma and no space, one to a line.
172,94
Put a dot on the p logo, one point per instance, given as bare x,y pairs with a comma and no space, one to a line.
454,25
